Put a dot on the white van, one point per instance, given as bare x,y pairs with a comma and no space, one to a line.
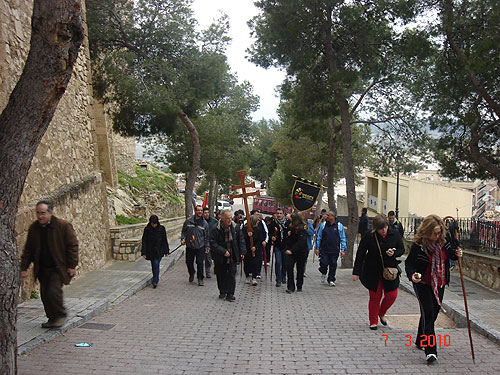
223,205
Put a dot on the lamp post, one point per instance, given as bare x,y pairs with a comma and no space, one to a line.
397,193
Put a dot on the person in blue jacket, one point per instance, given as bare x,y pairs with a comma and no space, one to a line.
330,242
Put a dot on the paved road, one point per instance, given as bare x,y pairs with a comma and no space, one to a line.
181,328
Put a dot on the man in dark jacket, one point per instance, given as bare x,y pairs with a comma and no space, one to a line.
228,249
395,223
195,236
212,222
363,222
279,233
52,246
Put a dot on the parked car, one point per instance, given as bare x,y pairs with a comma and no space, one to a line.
223,205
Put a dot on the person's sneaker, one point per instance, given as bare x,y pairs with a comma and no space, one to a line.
254,282
191,278
200,282
431,358
222,295
248,280
230,298
289,291
208,275
299,289
258,277
155,285
59,322
331,283
323,278
278,284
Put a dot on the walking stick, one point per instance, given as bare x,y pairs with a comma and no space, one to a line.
455,235
272,259
265,261
174,249
466,308
272,253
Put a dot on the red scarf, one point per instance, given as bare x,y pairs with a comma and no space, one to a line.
437,268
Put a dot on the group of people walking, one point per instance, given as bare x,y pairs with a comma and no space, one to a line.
53,248
247,241
376,264
426,266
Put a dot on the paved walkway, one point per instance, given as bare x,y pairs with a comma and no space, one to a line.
180,328
88,296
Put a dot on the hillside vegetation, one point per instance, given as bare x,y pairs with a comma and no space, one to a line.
150,192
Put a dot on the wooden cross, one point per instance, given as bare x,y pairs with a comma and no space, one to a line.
245,195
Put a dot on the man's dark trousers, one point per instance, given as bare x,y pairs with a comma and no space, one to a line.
199,254
51,293
328,261
226,278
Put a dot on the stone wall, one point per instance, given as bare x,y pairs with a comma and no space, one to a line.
483,268
66,167
126,239
125,154
104,136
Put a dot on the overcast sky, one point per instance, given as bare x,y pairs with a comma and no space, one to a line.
264,81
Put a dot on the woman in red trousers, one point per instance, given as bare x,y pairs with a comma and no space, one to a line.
380,243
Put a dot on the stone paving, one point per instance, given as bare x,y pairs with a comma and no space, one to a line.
181,328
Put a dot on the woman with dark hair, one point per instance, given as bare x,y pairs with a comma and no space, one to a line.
253,260
378,249
297,251
428,268
154,246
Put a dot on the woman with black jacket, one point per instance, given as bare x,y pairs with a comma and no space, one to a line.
381,243
297,252
253,261
428,267
154,246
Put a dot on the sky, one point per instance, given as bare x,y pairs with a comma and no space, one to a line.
263,80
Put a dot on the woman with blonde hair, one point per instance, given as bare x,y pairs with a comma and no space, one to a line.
378,249
428,268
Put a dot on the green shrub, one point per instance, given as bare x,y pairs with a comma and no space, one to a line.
125,220
154,180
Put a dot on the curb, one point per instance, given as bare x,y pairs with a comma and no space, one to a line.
96,309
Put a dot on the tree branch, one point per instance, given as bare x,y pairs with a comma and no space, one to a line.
448,9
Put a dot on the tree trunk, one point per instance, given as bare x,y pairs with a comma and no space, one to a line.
319,205
195,165
352,205
345,116
57,33
332,160
212,194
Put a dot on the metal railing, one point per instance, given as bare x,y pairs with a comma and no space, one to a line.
480,235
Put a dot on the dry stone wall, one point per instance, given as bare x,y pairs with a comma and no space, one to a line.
125,154
66,167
